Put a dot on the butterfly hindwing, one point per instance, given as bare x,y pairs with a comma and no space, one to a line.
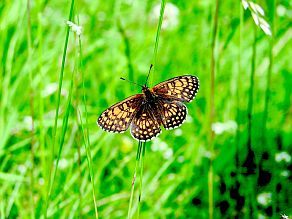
173,114
181,88
144,125
118,117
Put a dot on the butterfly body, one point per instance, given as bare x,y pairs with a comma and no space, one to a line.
146,112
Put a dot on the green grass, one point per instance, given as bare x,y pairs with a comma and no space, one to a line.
52,92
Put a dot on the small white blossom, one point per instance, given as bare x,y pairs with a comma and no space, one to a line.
244,4
257,13
283,156
180,159
52,88
63,163
281,11
255,18
178,132
219,127
261,216
284,216
264,198
158,145
27,120
189,119
75,28
22,168
170,16
41,181
168,153
285,173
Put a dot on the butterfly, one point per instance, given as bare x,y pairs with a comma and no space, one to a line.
145,113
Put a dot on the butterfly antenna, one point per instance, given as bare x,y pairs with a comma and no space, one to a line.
131,82
148,74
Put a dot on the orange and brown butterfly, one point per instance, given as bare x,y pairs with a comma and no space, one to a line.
145,113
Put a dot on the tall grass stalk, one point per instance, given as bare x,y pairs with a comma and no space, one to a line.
154,60
212,109
31,100
251,88
267,100
141,176
127,52
51,177
85,133
141,145
134,178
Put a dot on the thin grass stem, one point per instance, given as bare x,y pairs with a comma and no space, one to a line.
31,100
87,144
134,178
50,179
141,177
212,110
162,7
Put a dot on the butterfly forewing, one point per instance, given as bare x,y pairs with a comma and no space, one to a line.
173,114
181,88
145,126
118,117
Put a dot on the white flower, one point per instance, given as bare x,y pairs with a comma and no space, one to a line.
63,163
229,126
170,16
27,120
261,216
22,168
285,173
257,13
168,153
283,156
158,145
178,132
52,88
264,198
244,4
284,216
189,119
180,159
41,181
75,28
281,11
265,26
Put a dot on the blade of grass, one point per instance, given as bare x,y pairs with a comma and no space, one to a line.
51,180
212,110
85,134
141,146
275,180
141,178
31,101
134,178
154,60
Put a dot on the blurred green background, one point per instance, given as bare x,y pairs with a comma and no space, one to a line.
252,144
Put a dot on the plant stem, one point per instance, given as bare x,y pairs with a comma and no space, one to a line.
51,180
250,99
162,6
212,110
141,176
31,107
86,134
127,52
134,178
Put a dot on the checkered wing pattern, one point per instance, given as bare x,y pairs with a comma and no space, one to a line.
181,88
145,126
118,117
173,114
